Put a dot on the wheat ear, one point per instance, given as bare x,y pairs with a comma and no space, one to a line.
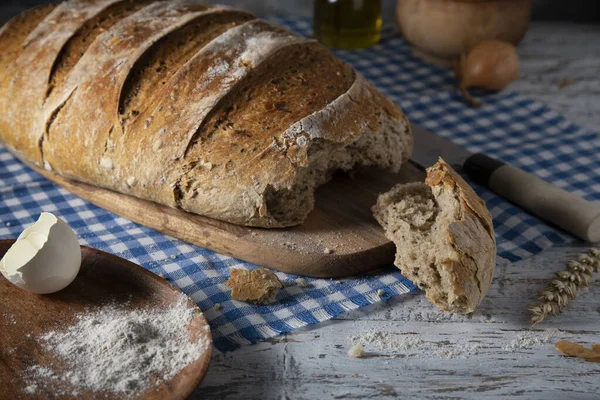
564,287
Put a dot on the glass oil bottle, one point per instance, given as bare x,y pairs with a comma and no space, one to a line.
347,24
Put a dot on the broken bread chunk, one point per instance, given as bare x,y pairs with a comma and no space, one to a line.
444,238
258,286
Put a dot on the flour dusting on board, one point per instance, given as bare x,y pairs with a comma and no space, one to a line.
111,349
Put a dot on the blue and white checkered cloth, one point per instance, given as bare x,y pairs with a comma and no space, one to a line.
522,132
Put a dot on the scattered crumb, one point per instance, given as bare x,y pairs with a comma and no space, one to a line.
381,293
257,286
389,341
529,339
357,351
565,82
253,233
328,250
577,350
31,389
174,256
218,307
457,350
9,224
396,344
338,282
162,276
301,282
9,318
355,374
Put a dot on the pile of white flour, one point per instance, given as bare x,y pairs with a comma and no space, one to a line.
120,351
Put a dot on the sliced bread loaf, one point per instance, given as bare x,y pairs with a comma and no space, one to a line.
444,238
202,108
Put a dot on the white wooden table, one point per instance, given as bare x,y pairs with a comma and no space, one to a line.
313,364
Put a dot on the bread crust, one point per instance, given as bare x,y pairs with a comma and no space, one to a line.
167,153
472,235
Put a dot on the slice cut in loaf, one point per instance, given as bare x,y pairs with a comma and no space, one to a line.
444,238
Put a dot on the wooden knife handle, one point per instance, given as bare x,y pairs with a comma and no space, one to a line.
568,211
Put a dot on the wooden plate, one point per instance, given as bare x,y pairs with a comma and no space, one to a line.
342,221
103,279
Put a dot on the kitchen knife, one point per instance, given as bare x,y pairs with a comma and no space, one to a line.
568,211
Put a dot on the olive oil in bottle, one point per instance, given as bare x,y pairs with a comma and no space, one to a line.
347,24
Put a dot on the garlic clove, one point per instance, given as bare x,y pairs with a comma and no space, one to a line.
45,258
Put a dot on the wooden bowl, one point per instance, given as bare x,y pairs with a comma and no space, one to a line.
103,279
440,30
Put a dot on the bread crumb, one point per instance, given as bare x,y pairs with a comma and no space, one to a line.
301,282
131,181
218,307
8,224
338,282
257,286
381,293
106,163
357,351
565,82
173,256
328,250
355,374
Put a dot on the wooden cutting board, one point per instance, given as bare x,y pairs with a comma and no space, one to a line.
342,223
103,279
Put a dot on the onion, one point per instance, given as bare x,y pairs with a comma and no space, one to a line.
490,65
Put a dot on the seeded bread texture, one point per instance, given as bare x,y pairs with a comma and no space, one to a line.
444,238
202,108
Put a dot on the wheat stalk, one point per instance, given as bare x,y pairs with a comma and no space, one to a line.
564,287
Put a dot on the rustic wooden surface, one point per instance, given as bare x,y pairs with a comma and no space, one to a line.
339,238
312,363
103,279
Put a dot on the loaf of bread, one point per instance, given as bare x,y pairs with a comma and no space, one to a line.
444,238
202,108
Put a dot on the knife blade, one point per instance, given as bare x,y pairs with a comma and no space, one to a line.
551,203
